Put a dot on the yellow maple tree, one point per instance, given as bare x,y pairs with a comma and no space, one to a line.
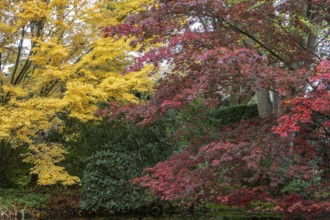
55,61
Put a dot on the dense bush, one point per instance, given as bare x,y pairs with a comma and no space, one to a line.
232,114
200,124
107,155
107,183
13,199
245,164
14,173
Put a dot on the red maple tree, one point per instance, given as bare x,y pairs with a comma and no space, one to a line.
219,49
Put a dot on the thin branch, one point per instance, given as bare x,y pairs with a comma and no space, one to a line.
87,52
19,53
25,68
294,39
239,30
321,40
5,61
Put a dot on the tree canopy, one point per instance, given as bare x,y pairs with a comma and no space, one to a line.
55,63
275,51
227,101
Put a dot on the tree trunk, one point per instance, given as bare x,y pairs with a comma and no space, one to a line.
264,103
275,102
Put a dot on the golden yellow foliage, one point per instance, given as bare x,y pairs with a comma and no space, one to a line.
54,60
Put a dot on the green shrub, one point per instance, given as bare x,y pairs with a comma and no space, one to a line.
196,121
108,155
13,199
107,183
111,155
231,114
13,172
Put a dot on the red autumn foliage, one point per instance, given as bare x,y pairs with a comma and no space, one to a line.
245,164
231,160
310,108
212,44
294,207
215,45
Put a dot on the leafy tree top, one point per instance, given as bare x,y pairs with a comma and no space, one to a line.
55,62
